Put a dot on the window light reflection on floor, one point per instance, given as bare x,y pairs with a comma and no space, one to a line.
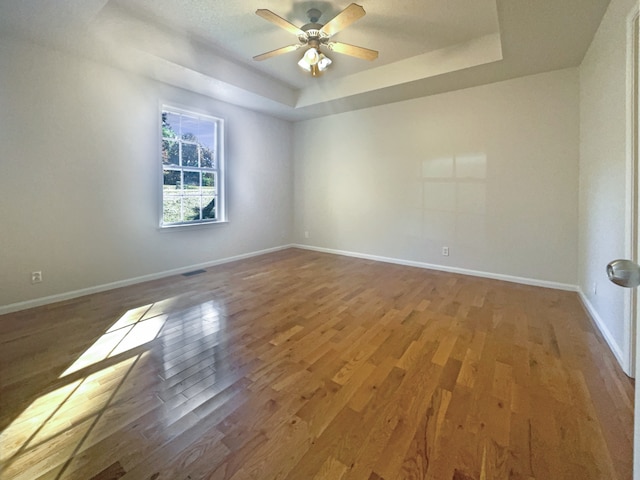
209,322
69,410
74,413
132,330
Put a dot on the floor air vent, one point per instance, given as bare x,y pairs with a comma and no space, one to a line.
195,272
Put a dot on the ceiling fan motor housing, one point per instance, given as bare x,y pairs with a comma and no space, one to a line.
312,32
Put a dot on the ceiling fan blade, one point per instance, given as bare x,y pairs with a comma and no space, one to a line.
278,51
352,50
279,21
345,18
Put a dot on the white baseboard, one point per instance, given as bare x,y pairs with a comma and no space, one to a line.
613,345
38,302
444,268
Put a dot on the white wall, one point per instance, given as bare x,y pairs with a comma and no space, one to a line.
491,172
79,177
604,163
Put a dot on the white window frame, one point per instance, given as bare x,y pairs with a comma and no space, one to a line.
217,170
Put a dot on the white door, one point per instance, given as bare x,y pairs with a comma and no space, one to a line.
627,273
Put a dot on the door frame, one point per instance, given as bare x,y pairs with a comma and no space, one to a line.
633,114
632,226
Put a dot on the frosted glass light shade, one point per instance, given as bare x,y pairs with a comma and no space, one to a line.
323,62
312,56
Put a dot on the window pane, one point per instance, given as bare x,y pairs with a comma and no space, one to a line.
170,125
192,183
170,151
206,157
189,155
171,182
207,134
171,210
208,207
208,183
191,208
189,128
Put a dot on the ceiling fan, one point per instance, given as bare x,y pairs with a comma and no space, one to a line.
313,36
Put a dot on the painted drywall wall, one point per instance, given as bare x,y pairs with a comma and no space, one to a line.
80,180
491,172
604,170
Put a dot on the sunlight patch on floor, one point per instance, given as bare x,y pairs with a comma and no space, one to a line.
67,420
127,333
61,410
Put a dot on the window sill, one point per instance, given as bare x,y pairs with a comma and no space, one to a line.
182,226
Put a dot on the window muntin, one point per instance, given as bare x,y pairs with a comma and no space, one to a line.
192,173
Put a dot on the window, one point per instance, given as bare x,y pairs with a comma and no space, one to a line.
192,168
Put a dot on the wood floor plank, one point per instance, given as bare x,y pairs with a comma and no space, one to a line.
306,365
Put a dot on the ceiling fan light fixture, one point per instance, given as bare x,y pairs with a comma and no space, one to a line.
323,62
312,56
303,64
314,62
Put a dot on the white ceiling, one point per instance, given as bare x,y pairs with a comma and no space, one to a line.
426,46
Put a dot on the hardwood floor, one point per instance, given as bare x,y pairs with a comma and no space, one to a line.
303,365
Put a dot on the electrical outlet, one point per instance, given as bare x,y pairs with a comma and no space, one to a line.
36,277
445,251
595,288
306,234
